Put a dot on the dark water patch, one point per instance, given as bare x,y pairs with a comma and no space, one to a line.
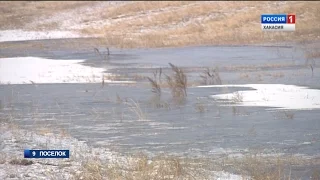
187,56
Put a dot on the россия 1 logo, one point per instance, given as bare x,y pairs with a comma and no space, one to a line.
278,22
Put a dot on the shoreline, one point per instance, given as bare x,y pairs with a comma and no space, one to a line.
15,139
29,37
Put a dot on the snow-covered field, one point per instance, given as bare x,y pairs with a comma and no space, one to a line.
27,70
14,140
22,35
279,96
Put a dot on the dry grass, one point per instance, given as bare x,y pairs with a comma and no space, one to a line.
155,86
210,76
3,158
237,97
260,167
256,169
139,7
16,15
170,23
278,75
200,106
285,115
235,110
156,102
23,162
103,55
289,115
135,108
177,83
245,68
312,55
156,82
199,23
315,174
165,167
90,170
140,167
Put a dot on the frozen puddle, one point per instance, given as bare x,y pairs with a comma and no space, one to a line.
277,96
30,70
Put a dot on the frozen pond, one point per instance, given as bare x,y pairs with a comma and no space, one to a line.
276,111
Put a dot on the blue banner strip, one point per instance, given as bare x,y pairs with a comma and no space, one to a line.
273,19
46,153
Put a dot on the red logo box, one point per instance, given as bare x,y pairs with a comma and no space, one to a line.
291,19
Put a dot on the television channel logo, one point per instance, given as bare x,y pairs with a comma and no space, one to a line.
278,22
46,153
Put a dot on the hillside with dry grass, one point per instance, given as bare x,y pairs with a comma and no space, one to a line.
163,23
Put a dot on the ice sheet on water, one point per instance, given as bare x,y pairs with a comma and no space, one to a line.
279,96
35,70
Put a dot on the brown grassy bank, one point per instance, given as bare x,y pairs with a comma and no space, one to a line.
166,23
161,24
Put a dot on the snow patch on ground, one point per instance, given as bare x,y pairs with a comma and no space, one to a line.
278,96
15,139
79,18
226,176
30,70
21,35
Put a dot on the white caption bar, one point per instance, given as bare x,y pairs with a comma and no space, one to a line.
278,27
